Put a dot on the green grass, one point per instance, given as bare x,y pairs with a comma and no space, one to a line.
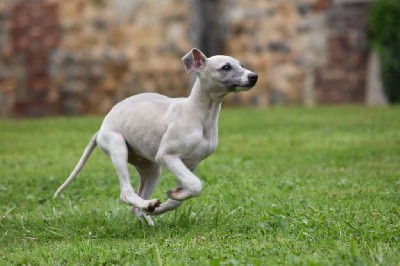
285,186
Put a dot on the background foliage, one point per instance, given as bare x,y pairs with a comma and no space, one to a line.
384,24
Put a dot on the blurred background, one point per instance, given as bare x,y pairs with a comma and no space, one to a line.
82,56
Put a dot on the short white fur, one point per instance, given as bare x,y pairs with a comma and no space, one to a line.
151,131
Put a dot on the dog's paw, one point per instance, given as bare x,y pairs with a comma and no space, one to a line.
179,194
167,206
153,204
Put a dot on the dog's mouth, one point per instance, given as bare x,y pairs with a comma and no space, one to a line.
241,87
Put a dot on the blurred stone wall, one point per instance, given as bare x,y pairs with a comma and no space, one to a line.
29,33
105,50
282,41
114,49
343,78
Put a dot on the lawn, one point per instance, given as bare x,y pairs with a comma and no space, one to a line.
286,185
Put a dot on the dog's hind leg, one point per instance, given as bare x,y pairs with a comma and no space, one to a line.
149,173
114,145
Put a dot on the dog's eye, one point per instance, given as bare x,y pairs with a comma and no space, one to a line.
241,65
226,67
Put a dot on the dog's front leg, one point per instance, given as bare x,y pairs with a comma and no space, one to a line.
191,184
167,206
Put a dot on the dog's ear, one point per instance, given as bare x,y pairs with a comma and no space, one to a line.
194,61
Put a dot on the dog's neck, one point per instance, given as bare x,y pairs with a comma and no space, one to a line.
206,105
203,100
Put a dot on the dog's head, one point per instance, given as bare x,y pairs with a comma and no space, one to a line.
221,74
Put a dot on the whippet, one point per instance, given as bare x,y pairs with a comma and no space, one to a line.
151,131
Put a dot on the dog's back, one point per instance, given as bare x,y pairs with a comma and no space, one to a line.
140,117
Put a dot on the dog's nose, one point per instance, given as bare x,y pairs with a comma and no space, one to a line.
252,78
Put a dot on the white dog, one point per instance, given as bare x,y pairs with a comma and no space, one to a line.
151,131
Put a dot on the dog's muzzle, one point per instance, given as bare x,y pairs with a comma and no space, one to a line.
251,81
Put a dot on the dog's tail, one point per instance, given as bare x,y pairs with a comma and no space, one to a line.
88,150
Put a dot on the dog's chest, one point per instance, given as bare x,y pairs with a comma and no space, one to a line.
204,147
208,147
210,139
205,139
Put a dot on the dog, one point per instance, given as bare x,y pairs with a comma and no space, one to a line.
151,131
